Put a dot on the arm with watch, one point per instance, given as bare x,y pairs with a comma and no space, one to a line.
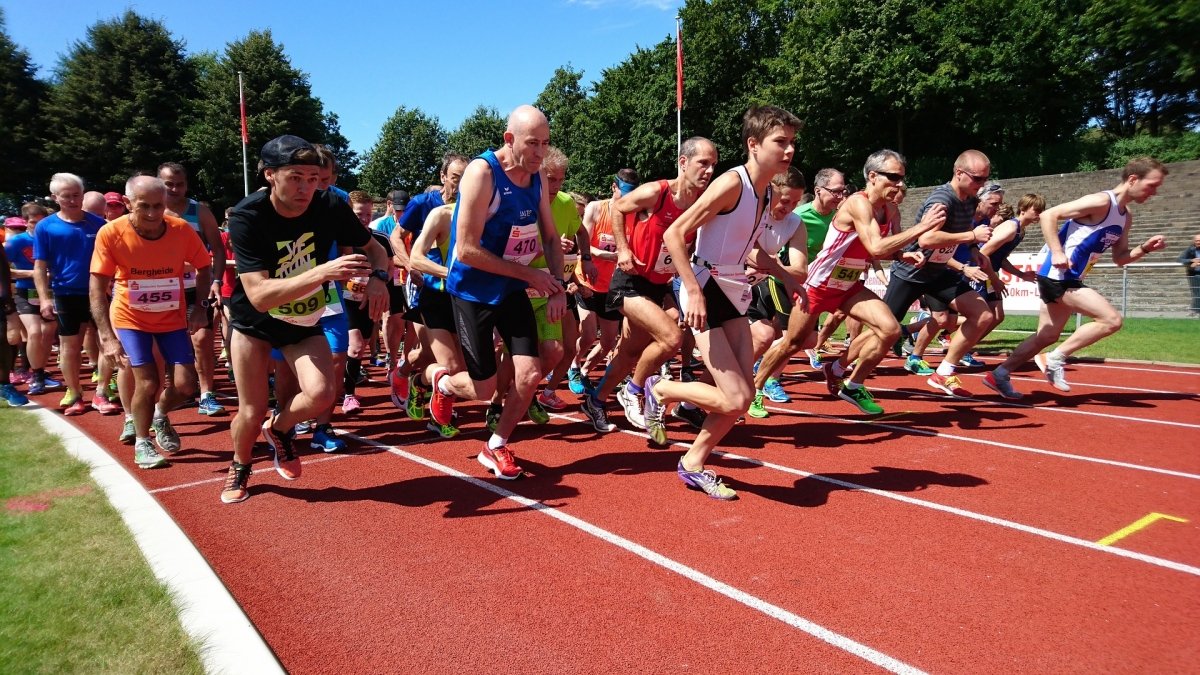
377,285
196,316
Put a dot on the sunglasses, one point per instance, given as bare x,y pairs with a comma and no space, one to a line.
894,177
973,177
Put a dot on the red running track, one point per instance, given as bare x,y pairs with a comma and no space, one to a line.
947,536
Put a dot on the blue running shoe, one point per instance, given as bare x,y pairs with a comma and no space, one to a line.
774,391
209,406
575,381
13,397
325,440
969,361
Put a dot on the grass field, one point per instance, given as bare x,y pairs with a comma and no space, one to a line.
1167,340
76,595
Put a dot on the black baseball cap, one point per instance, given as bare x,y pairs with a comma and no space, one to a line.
399,198
282,151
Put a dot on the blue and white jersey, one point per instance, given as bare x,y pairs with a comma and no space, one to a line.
1083,243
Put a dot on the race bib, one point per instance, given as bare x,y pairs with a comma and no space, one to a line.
154,295
189,276
305,311
356,289
398,276
943,254
756,276
846,273
663,264
569,262
333,304
608,243
522,246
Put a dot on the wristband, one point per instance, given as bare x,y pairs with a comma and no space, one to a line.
585,256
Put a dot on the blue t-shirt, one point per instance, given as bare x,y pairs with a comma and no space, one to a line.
67,250
386,225
19,251
418,210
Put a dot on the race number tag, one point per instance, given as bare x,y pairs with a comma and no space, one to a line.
569,262
663,265
189,276
608,243
523,245
356,289
154,295
943,254
305,311
846,273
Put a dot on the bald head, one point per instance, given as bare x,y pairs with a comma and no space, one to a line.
143,187
93,203
525,119
526,140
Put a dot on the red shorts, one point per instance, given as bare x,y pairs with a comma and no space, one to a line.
824,299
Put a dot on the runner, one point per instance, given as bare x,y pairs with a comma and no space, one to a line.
394,326
142,257
642,281
8,312
114,206
503,209
62,250
281,239
865,228
202,221
934,279
1007,235
1094,224
361,324
829,190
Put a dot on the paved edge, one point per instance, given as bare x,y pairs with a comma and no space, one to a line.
225,637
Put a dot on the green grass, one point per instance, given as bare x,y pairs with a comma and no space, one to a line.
76,595
1169,340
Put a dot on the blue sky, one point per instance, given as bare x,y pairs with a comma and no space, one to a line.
365,59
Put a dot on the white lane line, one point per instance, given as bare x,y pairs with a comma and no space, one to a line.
226,640
1065,538
983,441
1139,369
821,633
1042,380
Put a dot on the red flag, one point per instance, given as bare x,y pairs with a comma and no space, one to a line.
242,103
678,66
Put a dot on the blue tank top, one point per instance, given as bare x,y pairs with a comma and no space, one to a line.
1084,243
1001,254
512,218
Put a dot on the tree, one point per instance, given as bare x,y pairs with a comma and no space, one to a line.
120,102
563,101
481,130
21,96
407,155
279,101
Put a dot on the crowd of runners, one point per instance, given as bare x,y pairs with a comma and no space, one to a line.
682,297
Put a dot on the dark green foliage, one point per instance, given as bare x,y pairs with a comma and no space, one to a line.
407,154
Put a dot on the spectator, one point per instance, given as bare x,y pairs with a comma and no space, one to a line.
1191,260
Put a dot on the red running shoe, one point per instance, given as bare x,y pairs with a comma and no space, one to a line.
500,462
441,406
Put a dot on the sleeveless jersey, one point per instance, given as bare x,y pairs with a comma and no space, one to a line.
192,215
843,258
602,238
1001,254
511,232
723,243
1084,243
646,237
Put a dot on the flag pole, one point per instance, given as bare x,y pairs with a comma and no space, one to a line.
679,84
245,136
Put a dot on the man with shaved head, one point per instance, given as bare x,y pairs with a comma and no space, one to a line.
93,203
502,217
142,256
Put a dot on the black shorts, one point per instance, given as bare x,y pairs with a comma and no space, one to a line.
189,297
771,300
1053,289
278,333
396,300
939,292
358,318
625,285
26,300
73,312
597,304
512,318
437,312
718,307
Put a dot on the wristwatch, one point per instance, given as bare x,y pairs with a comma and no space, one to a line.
381,275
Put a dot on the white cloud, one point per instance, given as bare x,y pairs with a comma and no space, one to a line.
661,5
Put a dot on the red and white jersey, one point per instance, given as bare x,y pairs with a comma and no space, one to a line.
842,259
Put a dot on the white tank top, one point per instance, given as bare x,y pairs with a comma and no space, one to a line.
728,238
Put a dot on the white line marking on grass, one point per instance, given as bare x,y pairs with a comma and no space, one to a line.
821,633
227,641
1065,538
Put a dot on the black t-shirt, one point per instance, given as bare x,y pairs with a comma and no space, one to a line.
262,240
960,217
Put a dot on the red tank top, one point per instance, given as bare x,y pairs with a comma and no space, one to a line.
646,237
603,239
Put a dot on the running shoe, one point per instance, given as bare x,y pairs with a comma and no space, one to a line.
443,430
500,462
128,433
113,392
832,382
415,406
969,361
68,399
325,439
757,409
398,383
1001,384
538,414
596,414
706,481
208,405
632,404
654,413
441,406
77,407
21,376
686,375
814,359
362,377
774,391
283,454
11,396
898,345
350,404
754,370
693,416
223,357
492,416
95,377
950,385
944,341
1053,370
236,483
575,381
146,457
909,346
861,398
104,406
304,427
37,386
917,365
165,435
550,400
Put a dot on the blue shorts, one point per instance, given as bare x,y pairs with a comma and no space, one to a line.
175,346
337,333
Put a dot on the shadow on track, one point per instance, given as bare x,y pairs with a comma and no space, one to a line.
815,490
